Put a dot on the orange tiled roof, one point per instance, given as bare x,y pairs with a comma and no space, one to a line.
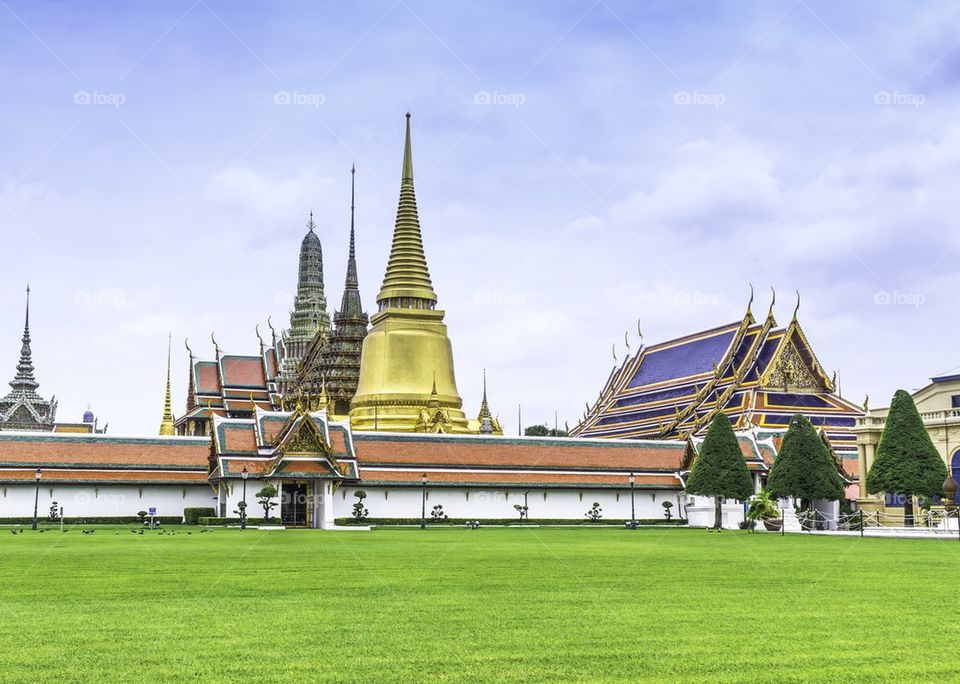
40,449
239,438
380,448
371,475
105,476
243,371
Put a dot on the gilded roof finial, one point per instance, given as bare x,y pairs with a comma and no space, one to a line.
191,388
750,303
166,423
256,329
216,347
772,302
626,342
273,333
797,307
639,332
614,349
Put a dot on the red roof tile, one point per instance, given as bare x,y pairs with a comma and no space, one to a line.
517,452
40,449
243,371
480,477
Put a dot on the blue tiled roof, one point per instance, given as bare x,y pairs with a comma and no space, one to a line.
683,360
660,395
805,400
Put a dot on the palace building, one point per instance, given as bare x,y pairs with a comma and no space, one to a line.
758,373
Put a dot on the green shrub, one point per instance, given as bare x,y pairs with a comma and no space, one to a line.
509,521
191,516
99,520
211,521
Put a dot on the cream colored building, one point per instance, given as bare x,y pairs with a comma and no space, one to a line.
939,406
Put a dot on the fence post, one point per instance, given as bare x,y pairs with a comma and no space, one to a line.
861,522
783,521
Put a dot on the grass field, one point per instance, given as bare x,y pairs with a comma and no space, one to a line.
490,604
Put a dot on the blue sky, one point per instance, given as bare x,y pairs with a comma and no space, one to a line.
580,166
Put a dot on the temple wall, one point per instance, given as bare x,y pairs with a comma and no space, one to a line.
405,502
107,500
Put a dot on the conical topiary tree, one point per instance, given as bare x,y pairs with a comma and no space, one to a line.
720,470
907,463
804,468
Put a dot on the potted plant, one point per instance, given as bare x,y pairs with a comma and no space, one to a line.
762,507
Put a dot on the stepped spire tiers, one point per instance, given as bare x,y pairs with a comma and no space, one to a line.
23,408
309,315
166,424
333,366
407,380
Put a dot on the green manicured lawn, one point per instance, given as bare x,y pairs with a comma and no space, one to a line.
490,604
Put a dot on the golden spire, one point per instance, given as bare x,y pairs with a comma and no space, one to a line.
407,275
166,425
324,399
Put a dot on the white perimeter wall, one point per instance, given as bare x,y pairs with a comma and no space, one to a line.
382,502
405,502
16,501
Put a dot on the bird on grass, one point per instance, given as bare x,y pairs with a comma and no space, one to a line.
141,533
13,531
86,531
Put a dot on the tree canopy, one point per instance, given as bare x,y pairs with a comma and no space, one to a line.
906,462
720,469
804,468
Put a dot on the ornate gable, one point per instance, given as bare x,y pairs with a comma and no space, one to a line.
794,366
303,437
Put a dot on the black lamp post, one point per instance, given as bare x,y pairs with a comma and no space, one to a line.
633,515
36,497
243,509
423,504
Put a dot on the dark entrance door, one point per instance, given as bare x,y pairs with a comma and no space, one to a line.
293,504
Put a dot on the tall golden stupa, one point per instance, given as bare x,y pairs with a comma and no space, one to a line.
407,382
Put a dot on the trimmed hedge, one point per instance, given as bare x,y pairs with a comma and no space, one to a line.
94,520
212,521
509,521
191,516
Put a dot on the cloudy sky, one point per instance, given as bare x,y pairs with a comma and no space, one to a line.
580,167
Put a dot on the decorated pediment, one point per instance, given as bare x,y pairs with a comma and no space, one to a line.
304,438
794,366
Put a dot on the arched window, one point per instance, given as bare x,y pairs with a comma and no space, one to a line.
955,468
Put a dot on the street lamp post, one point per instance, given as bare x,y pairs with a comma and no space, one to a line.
423,503
633,513
243,509
36,497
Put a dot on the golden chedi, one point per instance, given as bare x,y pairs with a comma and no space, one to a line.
407,381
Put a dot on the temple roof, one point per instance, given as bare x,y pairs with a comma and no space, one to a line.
757,373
